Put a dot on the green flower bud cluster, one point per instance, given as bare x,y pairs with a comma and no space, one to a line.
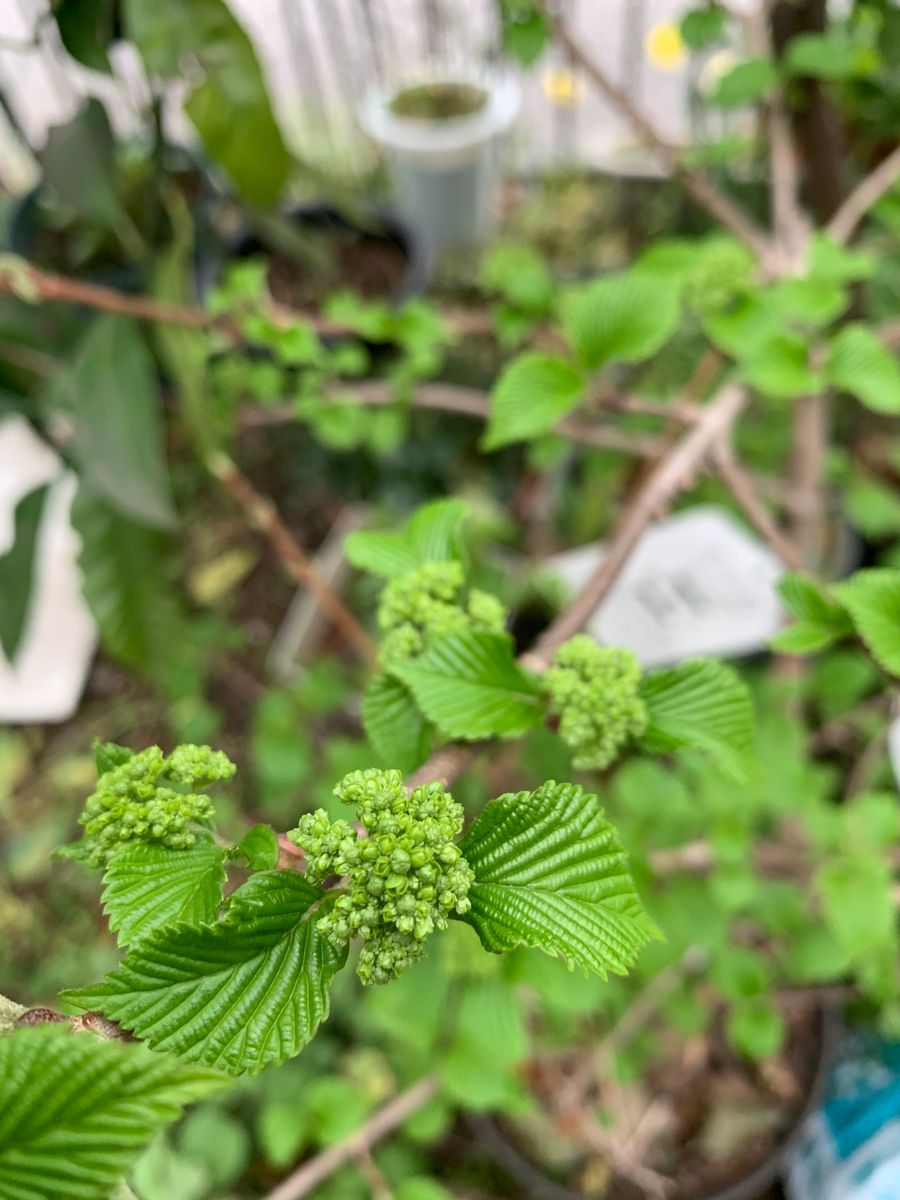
150,798
428,603
723,272
594,690
404,878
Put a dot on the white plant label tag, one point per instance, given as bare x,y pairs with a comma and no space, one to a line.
697,584
894,747
46,680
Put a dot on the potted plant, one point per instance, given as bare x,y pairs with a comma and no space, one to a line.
441,135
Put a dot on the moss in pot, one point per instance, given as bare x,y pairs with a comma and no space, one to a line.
441,136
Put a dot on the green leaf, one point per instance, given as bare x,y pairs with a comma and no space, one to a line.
835,54
755,1027
394,725
873,508
701,27
79,170
873,600
75,1112
146,887
432,534
245,992
550,872
17,570
747,83
532,394
703,704
259,847
803,638
489,1041
123,572
86,28
229,105
525,39
860,365
622,318
519,274
109,755
745,329
779,367
469,684
820,619
856,902
114,393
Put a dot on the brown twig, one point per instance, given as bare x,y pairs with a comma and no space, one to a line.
740,484
843,224
654,497
807,498
308,1176
695,182
264,517
468,402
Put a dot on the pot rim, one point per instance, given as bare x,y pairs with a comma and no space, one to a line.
751,1186
425,137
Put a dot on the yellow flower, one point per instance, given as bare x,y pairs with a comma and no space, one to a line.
562,87
664,46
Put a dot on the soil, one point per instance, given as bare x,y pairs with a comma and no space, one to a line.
365,263
438,101
723,1117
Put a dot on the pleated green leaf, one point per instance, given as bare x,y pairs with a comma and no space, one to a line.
394,725
860,364
703,704
240,994
469,684
531,395
75,1112
550,872
873,600
146,887
432,534
622,318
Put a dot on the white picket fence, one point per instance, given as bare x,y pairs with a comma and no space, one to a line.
319,56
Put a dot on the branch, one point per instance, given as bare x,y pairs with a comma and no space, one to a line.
697,183
740,484
660,488
843,224
806,497
308,1176
264,517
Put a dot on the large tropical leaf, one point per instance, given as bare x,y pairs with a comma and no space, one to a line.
123,569
75,1112
17,571
550,872
114,393
240,994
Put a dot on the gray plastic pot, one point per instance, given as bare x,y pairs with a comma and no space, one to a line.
753,1186
445,172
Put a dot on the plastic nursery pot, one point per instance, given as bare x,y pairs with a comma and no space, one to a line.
443,154
380,256
754,1184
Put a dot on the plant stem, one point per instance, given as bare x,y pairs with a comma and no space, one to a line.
864,196
696,182
308,1176
264,517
